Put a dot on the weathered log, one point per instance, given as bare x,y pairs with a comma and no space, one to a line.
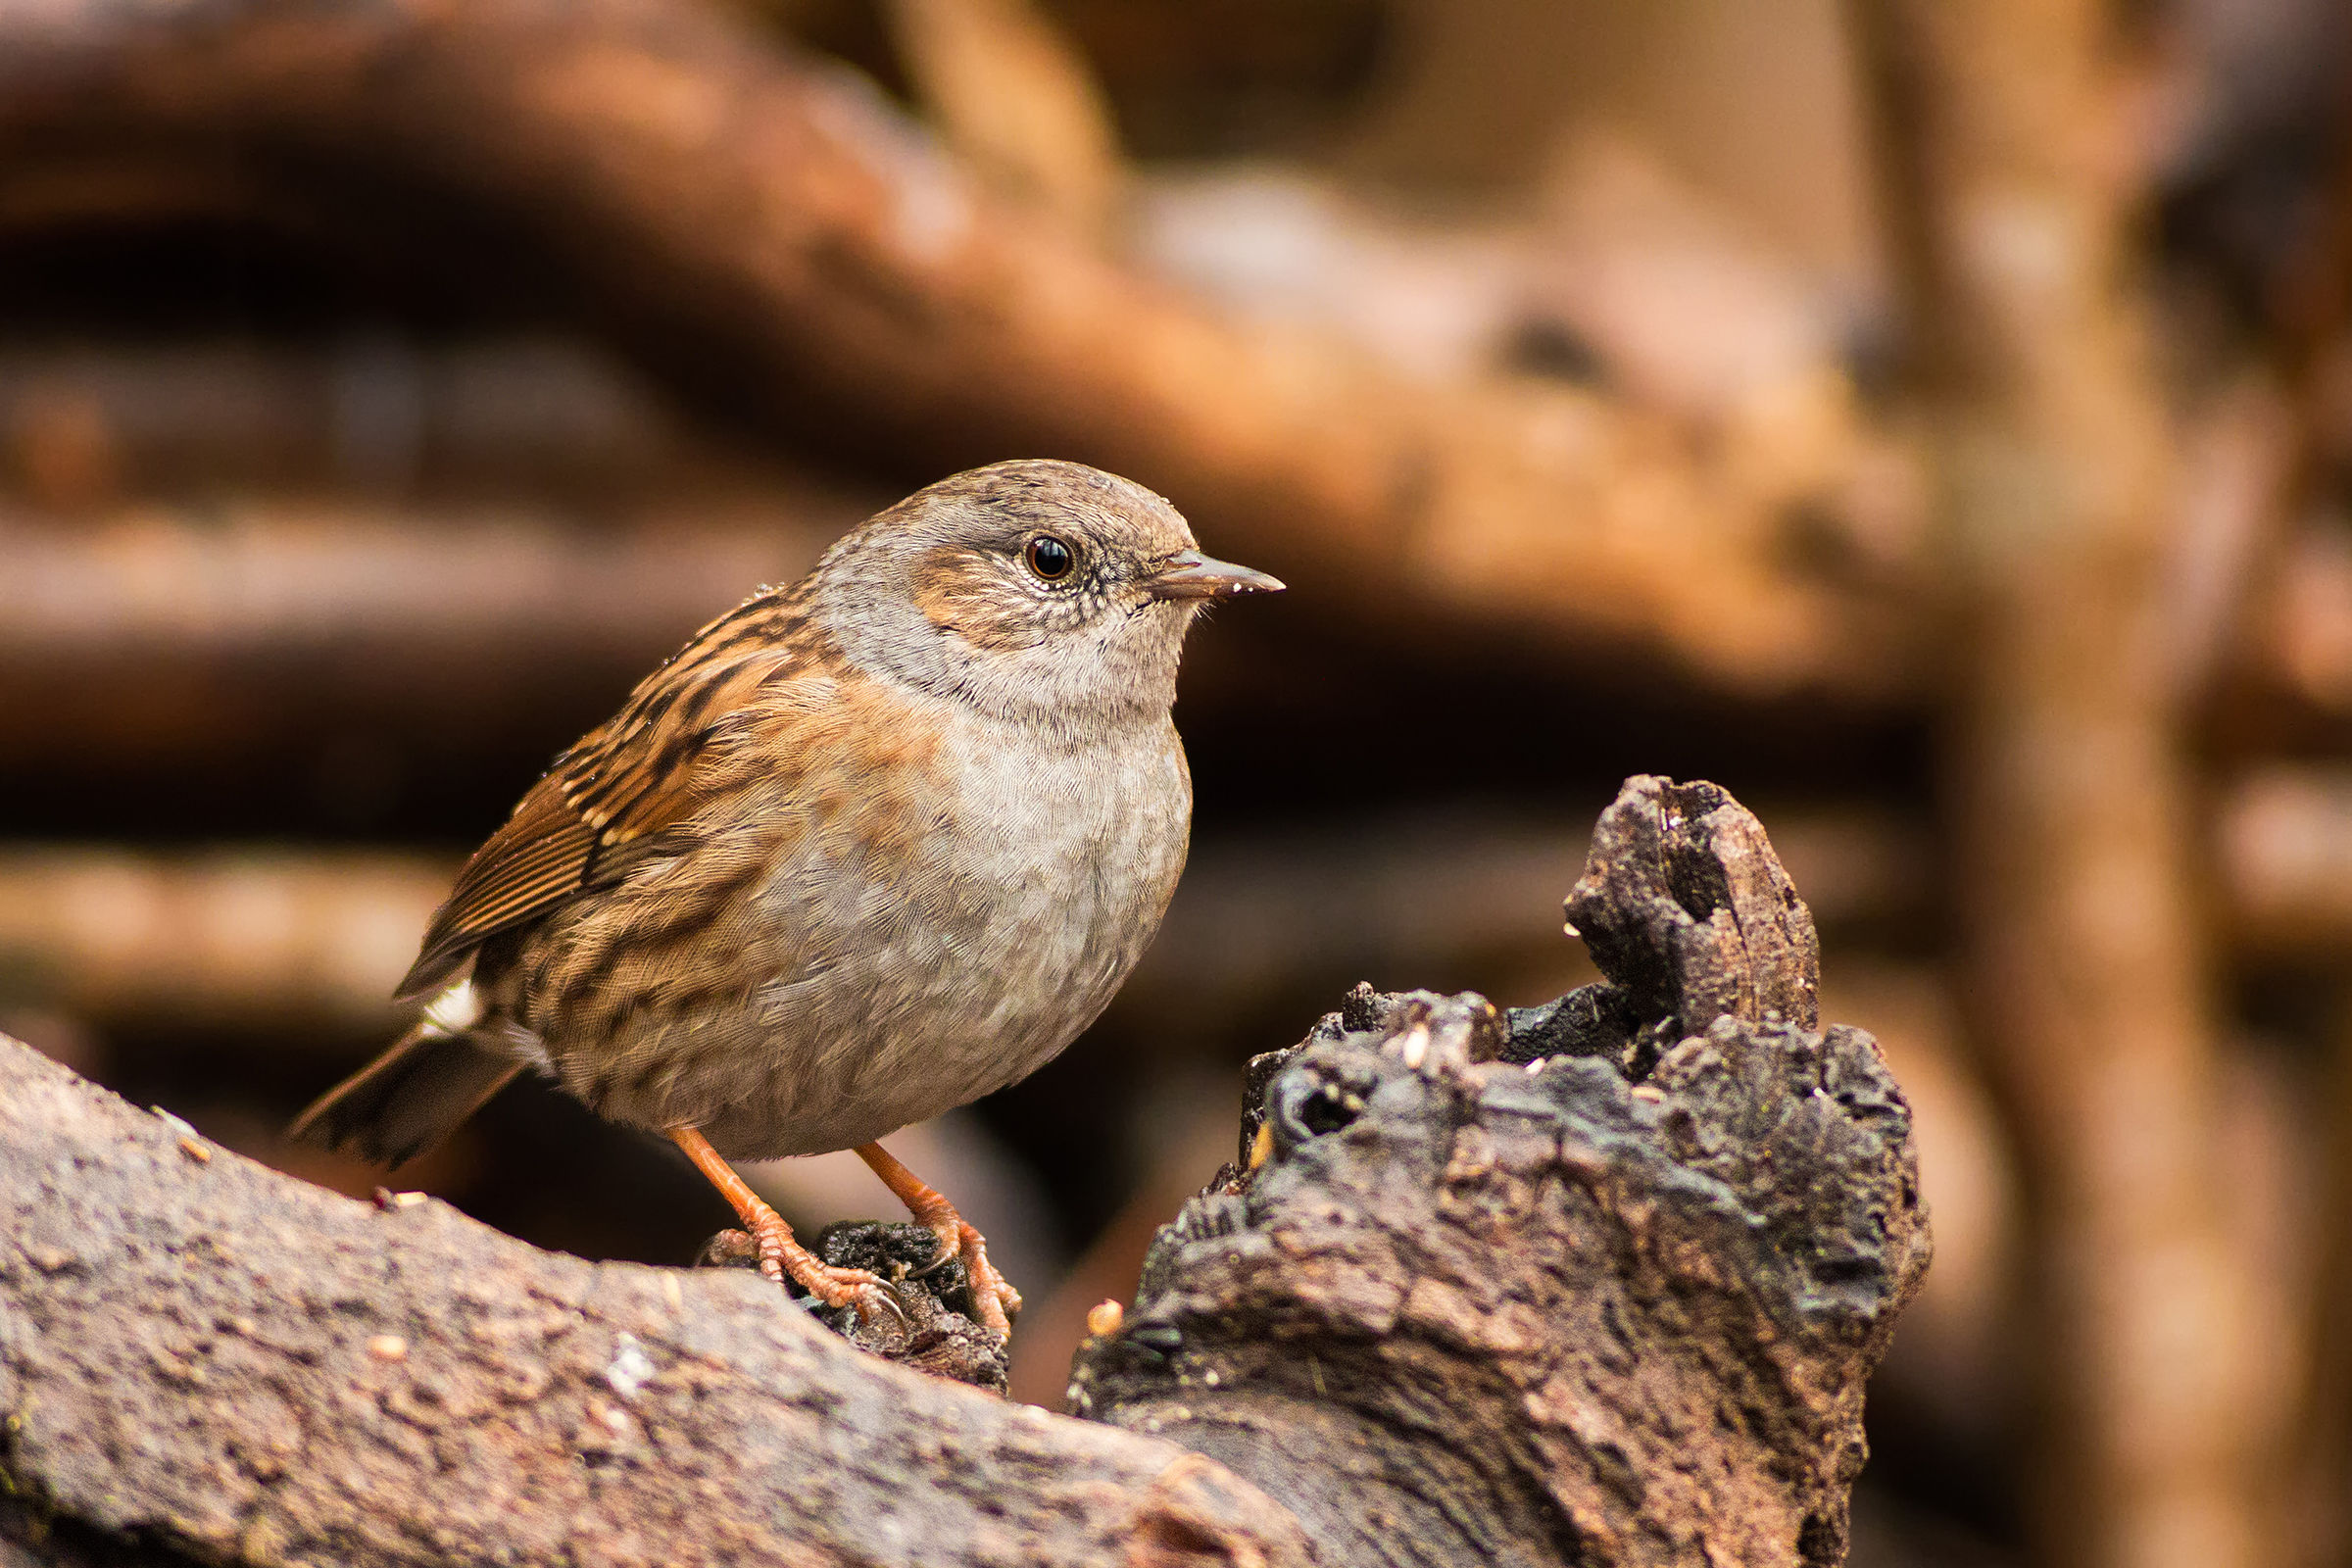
197,1352
1597,1283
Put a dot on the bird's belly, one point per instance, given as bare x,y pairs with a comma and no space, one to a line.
871,992
942,1020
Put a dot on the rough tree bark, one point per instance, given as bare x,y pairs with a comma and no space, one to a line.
1594,1282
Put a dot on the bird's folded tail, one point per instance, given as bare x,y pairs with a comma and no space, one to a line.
408,1099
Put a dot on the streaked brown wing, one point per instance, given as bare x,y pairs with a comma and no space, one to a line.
634,776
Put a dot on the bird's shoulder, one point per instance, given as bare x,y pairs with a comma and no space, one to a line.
765,672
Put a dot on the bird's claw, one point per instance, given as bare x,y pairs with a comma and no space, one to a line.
862,1291
995,1302
950,1248
865,1292
870,1300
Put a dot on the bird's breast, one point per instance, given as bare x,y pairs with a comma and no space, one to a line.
1045,873
909,981
849,946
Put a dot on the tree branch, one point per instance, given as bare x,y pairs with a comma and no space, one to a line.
199,1350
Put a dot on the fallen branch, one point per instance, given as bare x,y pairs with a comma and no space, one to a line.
200,1352
1597,1283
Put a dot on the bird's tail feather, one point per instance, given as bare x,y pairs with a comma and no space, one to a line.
408,1099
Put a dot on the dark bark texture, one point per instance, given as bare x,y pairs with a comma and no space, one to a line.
1593,1283
1597,1283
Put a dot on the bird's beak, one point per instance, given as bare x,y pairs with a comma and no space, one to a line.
1190,575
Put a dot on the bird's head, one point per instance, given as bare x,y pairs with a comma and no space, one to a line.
1040,589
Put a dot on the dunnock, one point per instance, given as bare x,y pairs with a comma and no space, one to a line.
864,850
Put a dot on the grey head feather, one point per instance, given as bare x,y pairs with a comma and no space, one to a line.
936,592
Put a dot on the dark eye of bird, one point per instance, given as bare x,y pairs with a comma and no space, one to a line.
1049,557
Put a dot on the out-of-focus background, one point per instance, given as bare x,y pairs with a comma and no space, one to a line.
1930,419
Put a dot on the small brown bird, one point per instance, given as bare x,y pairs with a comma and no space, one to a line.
864,850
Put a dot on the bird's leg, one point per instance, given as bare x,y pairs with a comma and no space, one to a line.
780,1255
994,1296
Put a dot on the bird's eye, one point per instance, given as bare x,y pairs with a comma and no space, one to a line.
1049,557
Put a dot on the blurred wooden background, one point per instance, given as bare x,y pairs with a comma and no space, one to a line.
1930,419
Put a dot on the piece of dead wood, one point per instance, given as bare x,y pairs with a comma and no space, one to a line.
1497,1286
1597,1282
213,1356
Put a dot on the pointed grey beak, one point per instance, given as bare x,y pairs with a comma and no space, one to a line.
1190,575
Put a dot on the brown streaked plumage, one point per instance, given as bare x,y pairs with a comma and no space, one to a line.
864,850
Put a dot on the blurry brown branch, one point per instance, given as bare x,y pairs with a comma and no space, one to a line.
191,629
2320,1499
2302,625
797,234
1602,1283
2087,968
84,427
252,936
167,629
238,579
2285,842
277,934
1016,101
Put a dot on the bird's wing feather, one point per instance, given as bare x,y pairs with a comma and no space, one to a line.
630,779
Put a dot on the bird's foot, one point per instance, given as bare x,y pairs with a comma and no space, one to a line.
993,1298
995,1302
782,1258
